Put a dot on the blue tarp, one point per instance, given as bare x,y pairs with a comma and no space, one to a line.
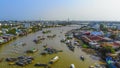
110,62
96,33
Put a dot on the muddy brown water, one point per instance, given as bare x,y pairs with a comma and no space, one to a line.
67,57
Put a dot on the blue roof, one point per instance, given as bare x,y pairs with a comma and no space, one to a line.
96,33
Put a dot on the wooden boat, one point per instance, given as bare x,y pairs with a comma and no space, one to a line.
55,59
11,63
41,65
32,51
44,53
71,47
72,66
11,59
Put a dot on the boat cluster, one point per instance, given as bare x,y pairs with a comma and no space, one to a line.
51,36
38,39
68,43
20,61
48,65
48,50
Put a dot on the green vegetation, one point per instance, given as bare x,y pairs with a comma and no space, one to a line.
102,27
109,49
12,31
113,36
5,26
85,46
1,34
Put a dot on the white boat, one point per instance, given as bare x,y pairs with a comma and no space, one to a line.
56,58
72,66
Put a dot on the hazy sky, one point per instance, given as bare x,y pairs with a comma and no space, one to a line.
60,9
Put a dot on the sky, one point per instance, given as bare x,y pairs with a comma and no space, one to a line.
101,10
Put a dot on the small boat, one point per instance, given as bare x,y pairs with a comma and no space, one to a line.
60,51
11,59
11,63
56,58
45,46
23,44
71,47
82,58
32,50
91,66
41,65
44,53
72,66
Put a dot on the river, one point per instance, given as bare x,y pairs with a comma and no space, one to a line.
67,57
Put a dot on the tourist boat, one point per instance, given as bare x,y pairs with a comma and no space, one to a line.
72,66
56,58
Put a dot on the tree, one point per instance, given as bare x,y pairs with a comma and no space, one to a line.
113,36
101,26
5,26
12,31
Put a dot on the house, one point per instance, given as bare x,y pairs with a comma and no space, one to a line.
10,36
86,39
7,38
2,40
106,39
96,26
94,44
95,38
114,45
108,34
4,31
117,44
27,25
